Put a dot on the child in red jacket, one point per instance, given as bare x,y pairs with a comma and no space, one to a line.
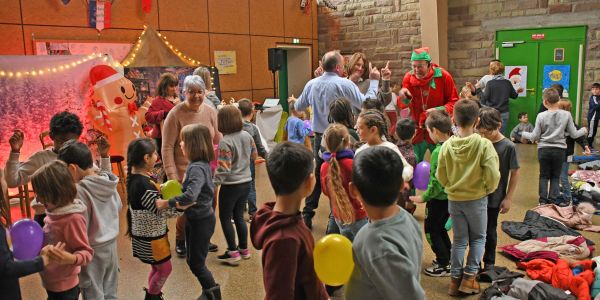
65,222
278,229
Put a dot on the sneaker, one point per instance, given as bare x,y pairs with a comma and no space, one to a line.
437,271
180,248
212,247
231,258
245,253
469,285
453,287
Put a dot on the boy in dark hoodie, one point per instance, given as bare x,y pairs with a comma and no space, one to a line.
97,189
278,229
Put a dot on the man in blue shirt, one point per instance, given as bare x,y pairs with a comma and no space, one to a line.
319,93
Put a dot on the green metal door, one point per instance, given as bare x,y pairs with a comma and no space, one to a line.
538,48
522,55
570,57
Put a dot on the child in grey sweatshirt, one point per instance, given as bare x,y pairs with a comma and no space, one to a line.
97,189
550,129
391,242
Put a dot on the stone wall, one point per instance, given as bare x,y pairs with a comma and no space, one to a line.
472,25
382,29
389,29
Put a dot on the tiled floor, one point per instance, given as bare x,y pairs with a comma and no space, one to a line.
245,281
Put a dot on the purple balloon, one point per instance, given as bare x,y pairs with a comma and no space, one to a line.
27,239
421,175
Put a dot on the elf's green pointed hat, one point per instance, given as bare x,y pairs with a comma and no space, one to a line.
421,54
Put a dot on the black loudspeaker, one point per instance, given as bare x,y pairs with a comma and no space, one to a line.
275,59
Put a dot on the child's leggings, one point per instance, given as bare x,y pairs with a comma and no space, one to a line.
158,276
232,200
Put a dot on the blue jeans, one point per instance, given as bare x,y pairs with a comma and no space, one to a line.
565,186
252,195
504,116
332,226
350,230
469,223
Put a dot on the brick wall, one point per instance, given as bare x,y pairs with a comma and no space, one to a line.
382,29
472,25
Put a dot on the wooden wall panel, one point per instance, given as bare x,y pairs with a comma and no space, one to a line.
237,95
261,95
262,78
266,17
12,40
10,12
242,80
297,23
129,14
315,21
229,16
73,33
184,15
196,27
194,45
44,12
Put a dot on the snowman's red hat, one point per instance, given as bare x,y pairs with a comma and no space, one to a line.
102,75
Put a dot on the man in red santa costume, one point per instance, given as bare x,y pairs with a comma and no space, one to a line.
426,88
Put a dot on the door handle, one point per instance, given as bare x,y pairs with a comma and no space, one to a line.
532,90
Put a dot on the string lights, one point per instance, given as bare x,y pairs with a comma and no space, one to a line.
54,69
138,46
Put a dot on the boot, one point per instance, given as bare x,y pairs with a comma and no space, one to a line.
453,287
469,285
214,293
153,297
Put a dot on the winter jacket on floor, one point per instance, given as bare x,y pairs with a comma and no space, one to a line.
596,285
578,217
560,275
524,289
536,226
573,247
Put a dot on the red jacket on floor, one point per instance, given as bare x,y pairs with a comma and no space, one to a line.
561,276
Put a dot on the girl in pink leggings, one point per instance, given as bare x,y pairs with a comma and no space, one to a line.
147,225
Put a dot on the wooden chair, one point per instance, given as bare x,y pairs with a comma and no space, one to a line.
25,195
44,136
118,160
5,207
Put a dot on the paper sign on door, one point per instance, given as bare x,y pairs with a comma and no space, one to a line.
518,77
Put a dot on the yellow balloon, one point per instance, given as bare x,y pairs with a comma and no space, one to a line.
333,259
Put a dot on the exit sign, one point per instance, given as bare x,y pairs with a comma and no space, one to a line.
537,36
295,41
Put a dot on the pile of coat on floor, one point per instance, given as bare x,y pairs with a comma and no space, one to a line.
554,255
585,182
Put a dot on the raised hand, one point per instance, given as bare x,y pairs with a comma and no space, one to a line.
471,86
374,73
16,141
386,73
319,71
103,146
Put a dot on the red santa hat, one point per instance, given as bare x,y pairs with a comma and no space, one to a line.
515,71
102,75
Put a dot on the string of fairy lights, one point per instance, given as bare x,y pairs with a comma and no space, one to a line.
138,46
54,69
128,60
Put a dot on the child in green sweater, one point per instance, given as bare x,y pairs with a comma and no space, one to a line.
438,125
468,170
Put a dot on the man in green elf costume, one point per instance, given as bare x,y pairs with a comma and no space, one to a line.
425,88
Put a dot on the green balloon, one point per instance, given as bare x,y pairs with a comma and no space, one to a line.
170,189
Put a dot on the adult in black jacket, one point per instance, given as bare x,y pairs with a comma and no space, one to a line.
497,91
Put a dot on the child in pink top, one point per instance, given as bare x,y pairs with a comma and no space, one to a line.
336,174
65,223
